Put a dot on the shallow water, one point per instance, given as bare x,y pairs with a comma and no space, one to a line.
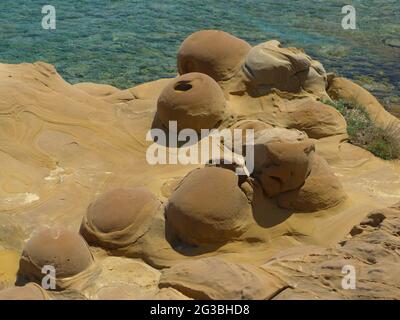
127,42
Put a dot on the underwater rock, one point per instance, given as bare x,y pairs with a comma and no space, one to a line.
215,53
119,217
194,100
208,207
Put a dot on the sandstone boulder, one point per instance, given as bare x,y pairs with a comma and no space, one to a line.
269,65
194,101
321,190
119,217
215,53
208,207
60,248
282,159
315,118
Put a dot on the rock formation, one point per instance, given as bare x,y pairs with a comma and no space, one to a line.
194,101
75,155
119,217
208,207
269,66
61,249
215,53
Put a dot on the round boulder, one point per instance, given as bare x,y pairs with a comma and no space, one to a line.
119,217
282,159
321,190
194,101
60,248
208,207
215,53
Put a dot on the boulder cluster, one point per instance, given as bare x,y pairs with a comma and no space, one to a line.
211,206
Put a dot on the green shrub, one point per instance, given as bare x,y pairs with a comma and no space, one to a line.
362,131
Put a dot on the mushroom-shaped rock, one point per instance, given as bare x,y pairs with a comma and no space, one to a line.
321,190
269,65
215,53
60,248
215,279
194,101
208,207
119,217
30,291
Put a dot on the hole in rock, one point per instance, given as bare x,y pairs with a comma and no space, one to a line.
183,86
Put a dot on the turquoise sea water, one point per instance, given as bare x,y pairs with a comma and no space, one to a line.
127,42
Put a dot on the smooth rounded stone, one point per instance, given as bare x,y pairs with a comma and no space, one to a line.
269,65
315,118
119,217
194,100
217,279
30,291
269,135
208,207
282,159
61,248
215,53
286,165
321,190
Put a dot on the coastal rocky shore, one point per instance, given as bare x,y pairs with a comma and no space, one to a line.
78,193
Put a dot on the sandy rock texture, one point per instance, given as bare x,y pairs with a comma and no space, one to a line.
371,248
78,193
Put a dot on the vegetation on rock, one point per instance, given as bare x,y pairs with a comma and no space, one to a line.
364,133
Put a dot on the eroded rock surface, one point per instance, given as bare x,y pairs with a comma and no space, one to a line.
157,231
